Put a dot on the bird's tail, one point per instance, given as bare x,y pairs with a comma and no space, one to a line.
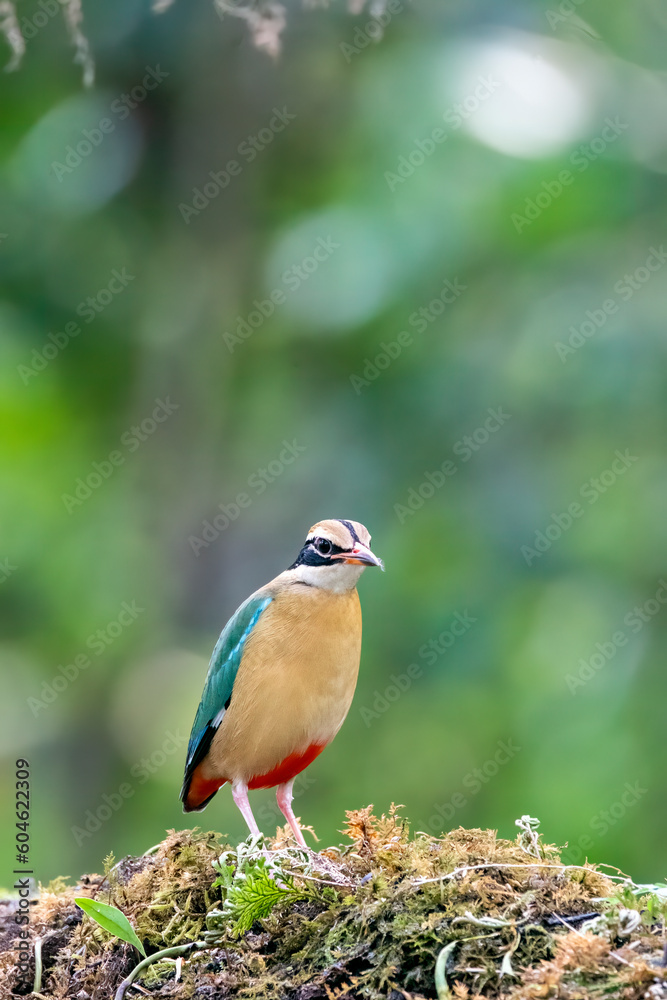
198,791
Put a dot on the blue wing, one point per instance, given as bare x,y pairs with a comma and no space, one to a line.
220,679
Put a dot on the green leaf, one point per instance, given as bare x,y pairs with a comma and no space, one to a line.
441,985
225,874
254,896
111,919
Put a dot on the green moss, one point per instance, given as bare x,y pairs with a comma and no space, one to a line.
367,919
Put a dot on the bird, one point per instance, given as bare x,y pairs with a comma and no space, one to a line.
282,676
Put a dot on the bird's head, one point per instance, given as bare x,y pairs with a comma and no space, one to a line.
334,555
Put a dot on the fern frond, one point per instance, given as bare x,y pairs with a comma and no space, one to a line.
254,895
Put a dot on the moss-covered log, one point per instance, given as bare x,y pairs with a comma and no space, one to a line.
385,915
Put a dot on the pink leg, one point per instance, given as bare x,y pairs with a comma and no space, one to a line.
284,799
240,796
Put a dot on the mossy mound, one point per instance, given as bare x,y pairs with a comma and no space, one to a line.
386,916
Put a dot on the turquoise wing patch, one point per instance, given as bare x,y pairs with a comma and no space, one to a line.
222,670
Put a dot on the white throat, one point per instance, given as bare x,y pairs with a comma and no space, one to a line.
337,578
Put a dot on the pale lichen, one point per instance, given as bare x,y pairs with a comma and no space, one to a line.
386,914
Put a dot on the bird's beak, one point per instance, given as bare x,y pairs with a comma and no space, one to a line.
361,555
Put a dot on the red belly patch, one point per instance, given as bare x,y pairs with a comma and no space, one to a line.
288,769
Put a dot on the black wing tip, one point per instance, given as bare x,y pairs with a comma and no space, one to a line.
183,794
199,808
191,809
187,808
195,756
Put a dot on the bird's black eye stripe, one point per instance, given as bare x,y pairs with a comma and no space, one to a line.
325,547
317,552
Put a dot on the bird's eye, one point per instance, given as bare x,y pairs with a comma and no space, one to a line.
323,546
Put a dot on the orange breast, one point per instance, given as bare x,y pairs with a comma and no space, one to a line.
293,688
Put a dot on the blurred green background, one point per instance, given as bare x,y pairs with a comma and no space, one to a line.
515,150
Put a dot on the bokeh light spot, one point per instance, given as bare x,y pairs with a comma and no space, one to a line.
79,155
537,106
336,269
